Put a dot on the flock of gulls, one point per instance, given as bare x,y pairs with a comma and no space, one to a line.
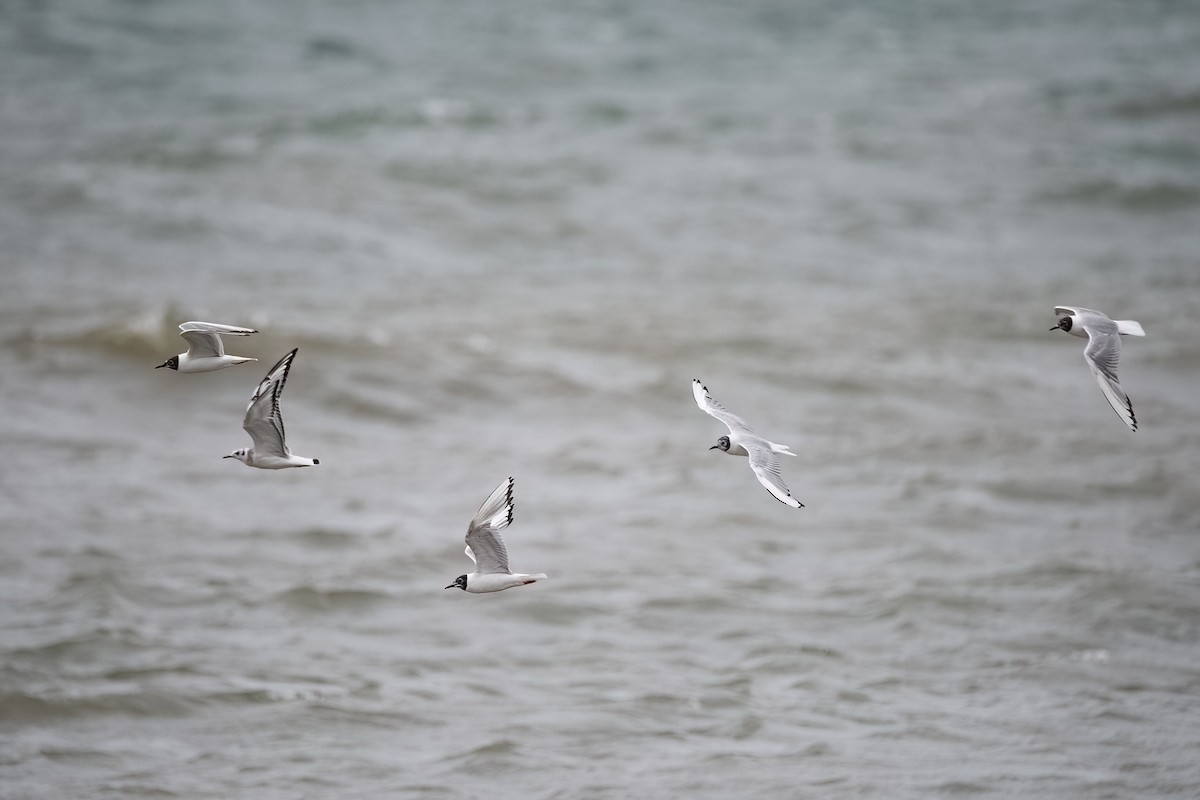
485,547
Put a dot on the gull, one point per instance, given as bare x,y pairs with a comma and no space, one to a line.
264,423
487,550
743,441
206,352
1102,352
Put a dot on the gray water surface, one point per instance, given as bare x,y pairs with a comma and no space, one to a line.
505,237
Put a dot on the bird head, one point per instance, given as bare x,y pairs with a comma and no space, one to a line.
460,582
172,362
722,444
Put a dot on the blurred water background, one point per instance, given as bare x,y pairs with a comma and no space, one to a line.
505,237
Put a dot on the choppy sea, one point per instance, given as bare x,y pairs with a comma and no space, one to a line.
505,238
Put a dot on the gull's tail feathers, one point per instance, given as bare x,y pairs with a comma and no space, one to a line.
1129,327
782,449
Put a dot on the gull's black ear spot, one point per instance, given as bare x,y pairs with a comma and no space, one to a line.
316,461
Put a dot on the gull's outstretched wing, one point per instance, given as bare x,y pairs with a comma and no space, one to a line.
1102,353
711,407
766,469
204,338
263,421
484,545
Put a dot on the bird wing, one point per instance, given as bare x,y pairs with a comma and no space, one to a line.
1102,353
484,545
204,338
711,407
263,421
203,345
216,327
1078,311
766,469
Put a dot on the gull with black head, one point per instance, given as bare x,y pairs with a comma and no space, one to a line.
744,441
1103,351
487,550
264,423
206,351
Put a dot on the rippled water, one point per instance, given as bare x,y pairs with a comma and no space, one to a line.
505,238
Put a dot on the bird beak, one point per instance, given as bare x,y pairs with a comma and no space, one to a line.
160,366
228,456
1056,327
451,586
714,447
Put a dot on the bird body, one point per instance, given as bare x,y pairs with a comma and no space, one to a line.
1125,327
487,550
738,442
187,363
482,582
206,351
264,423
271,461
1103,352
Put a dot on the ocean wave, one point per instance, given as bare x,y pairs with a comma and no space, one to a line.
789,660
329,538
1153,482
149,334
140,335
358,403
1159,105
558,613
29,708
1159,197
499,755
126,693
314,600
